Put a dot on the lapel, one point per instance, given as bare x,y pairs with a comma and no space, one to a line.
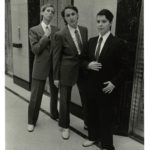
106,47
82,34
70,40
40,30
53,30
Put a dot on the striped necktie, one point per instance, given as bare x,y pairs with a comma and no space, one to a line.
78,40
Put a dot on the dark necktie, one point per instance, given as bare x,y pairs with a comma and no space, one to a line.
78,40
47,28
98,48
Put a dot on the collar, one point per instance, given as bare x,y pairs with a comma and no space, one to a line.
105,36
73,29
45,25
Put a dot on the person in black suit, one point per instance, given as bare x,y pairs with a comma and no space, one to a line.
41,40
67,55
106,61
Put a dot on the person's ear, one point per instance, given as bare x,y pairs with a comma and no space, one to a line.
110,25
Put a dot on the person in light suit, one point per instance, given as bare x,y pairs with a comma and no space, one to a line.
67,56
41,39
107,65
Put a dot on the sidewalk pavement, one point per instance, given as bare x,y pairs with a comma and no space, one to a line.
46,135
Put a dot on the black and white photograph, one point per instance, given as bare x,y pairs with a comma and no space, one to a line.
74,75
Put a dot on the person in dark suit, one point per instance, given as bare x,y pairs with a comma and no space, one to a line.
107,68
41,40
67,55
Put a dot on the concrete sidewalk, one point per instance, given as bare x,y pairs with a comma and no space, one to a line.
46,135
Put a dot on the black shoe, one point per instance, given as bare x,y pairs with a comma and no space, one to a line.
107,149
54,117
85,127
111,148
99,144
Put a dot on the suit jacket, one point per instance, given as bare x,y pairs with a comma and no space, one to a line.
42,48
66,60
113,58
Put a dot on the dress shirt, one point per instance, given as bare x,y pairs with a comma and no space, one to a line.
44,26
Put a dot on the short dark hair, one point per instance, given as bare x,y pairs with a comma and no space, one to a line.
105,12
46,6
68,7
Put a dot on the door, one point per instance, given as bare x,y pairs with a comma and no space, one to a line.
19,22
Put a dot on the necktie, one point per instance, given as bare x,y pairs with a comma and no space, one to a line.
98,48
49,29
78,40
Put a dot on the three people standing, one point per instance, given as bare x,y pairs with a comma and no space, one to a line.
68,52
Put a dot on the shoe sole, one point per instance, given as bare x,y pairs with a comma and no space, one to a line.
88,145
30,130
65,138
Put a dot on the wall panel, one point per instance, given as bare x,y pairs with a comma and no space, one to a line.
88,10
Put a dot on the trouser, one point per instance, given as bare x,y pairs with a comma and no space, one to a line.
37,89
100,115
64,111
53,97
82,87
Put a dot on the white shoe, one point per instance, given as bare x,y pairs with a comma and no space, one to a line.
65,134
88,143
30,127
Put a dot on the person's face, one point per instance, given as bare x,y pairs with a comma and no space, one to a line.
48,14
103,24
71,17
